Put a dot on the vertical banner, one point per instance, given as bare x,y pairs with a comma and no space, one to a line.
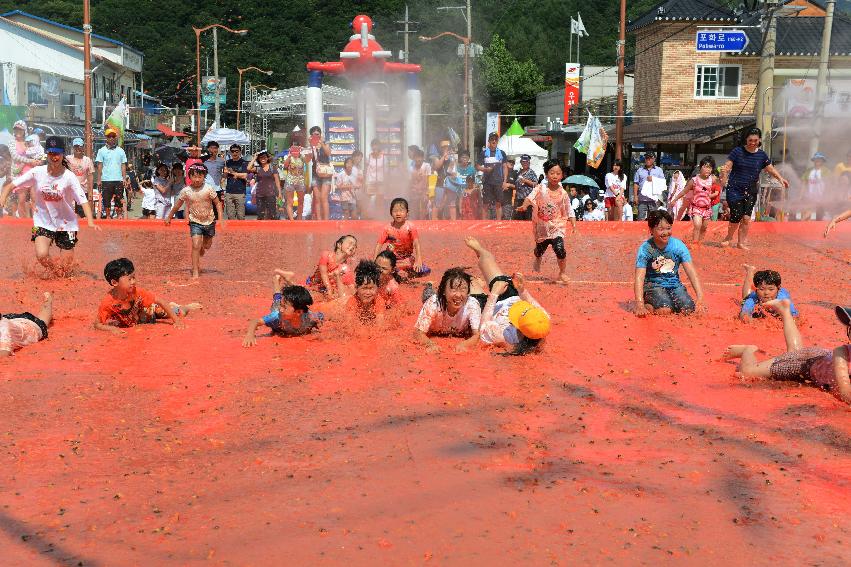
492,124
571,88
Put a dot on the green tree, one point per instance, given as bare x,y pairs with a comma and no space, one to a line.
510,84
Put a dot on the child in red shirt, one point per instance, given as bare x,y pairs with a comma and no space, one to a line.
471,202
388,286
126,305
402,239
333,271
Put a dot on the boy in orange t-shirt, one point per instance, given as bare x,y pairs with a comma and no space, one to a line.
126,305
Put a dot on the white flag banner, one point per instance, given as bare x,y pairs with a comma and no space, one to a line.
580,27
573,26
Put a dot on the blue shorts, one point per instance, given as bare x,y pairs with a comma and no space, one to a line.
205,230
676,299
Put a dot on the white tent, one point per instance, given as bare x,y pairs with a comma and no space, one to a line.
514,145
225,137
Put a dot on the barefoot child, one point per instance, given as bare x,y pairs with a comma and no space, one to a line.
18,330
703,192
402,239
550,212
290,315
451,312
511,317
766,285
56,190
813,365
332,272
658,288
200,199
127,305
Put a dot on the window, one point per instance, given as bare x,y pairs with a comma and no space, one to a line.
717,81
34,94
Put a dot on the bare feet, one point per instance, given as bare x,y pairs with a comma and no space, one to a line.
743,246
562,279
473,244
749,268
196,275
536,265
736,351
726,243
778,305
189,308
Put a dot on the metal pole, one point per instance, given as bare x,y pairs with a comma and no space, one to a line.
406,33
467,96
765,104
821,83
87,79
471,136
216,71
198,87
621,72
239,99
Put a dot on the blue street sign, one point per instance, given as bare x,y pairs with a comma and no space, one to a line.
731,41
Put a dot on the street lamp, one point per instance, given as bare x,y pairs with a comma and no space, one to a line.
467,118
239,92
198,32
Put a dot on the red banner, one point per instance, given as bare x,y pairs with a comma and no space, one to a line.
571,88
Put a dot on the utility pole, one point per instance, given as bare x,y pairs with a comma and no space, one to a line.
87,79
821,83
621,72
471,138
216,72
764,104
406,32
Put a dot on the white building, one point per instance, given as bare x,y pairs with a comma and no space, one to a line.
42,68
596,83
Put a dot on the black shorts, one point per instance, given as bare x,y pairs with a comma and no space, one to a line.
493,194
30,317
112,190
482,298
63,239
741,209
149,212
558,247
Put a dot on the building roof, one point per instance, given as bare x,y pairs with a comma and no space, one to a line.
49,37
683,11
801,35
13,13
687,131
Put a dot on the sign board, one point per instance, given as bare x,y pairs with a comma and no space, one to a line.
208,89
492,124
800,98
717,41
571,88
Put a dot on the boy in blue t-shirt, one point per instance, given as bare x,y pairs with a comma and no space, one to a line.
290,315
766,285
658,288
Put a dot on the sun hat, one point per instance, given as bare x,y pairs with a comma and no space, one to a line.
32,138
20,124
54,145
818,155
77,142
530,320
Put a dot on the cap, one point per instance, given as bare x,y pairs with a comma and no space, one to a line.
77,142
20,124
530,320
649,155
197,167
110,132
236,147
445,143
525,157
54,145
844,315
818,155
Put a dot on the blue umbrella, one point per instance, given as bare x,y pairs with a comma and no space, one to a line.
581,180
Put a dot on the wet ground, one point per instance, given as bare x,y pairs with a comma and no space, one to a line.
625,442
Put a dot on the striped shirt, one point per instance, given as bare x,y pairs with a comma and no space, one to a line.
745,173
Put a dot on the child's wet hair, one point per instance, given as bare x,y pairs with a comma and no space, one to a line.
115,269
390,257
367,272
657,216
451,277
298,297
766,277
549,164
707,160
339,243
524,347
399,201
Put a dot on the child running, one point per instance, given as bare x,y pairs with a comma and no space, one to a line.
704,189
200,199
766,287
402,239
127,305
56,190
333,273
18,330
290,315
658,288
451,312
813,365
511,317
550,212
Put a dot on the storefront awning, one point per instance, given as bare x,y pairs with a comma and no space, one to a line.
687,131
71,131
169,132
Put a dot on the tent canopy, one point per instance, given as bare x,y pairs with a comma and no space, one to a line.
514,145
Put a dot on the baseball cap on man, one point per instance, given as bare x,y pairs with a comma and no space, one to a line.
77,142
110,132
525,157
648,155
530,320
54,145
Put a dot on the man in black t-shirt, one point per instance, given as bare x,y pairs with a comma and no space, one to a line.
236,174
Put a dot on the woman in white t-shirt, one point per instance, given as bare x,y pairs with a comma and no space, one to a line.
451,312
55,192
615,191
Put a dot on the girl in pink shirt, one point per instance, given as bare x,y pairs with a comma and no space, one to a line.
701,187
